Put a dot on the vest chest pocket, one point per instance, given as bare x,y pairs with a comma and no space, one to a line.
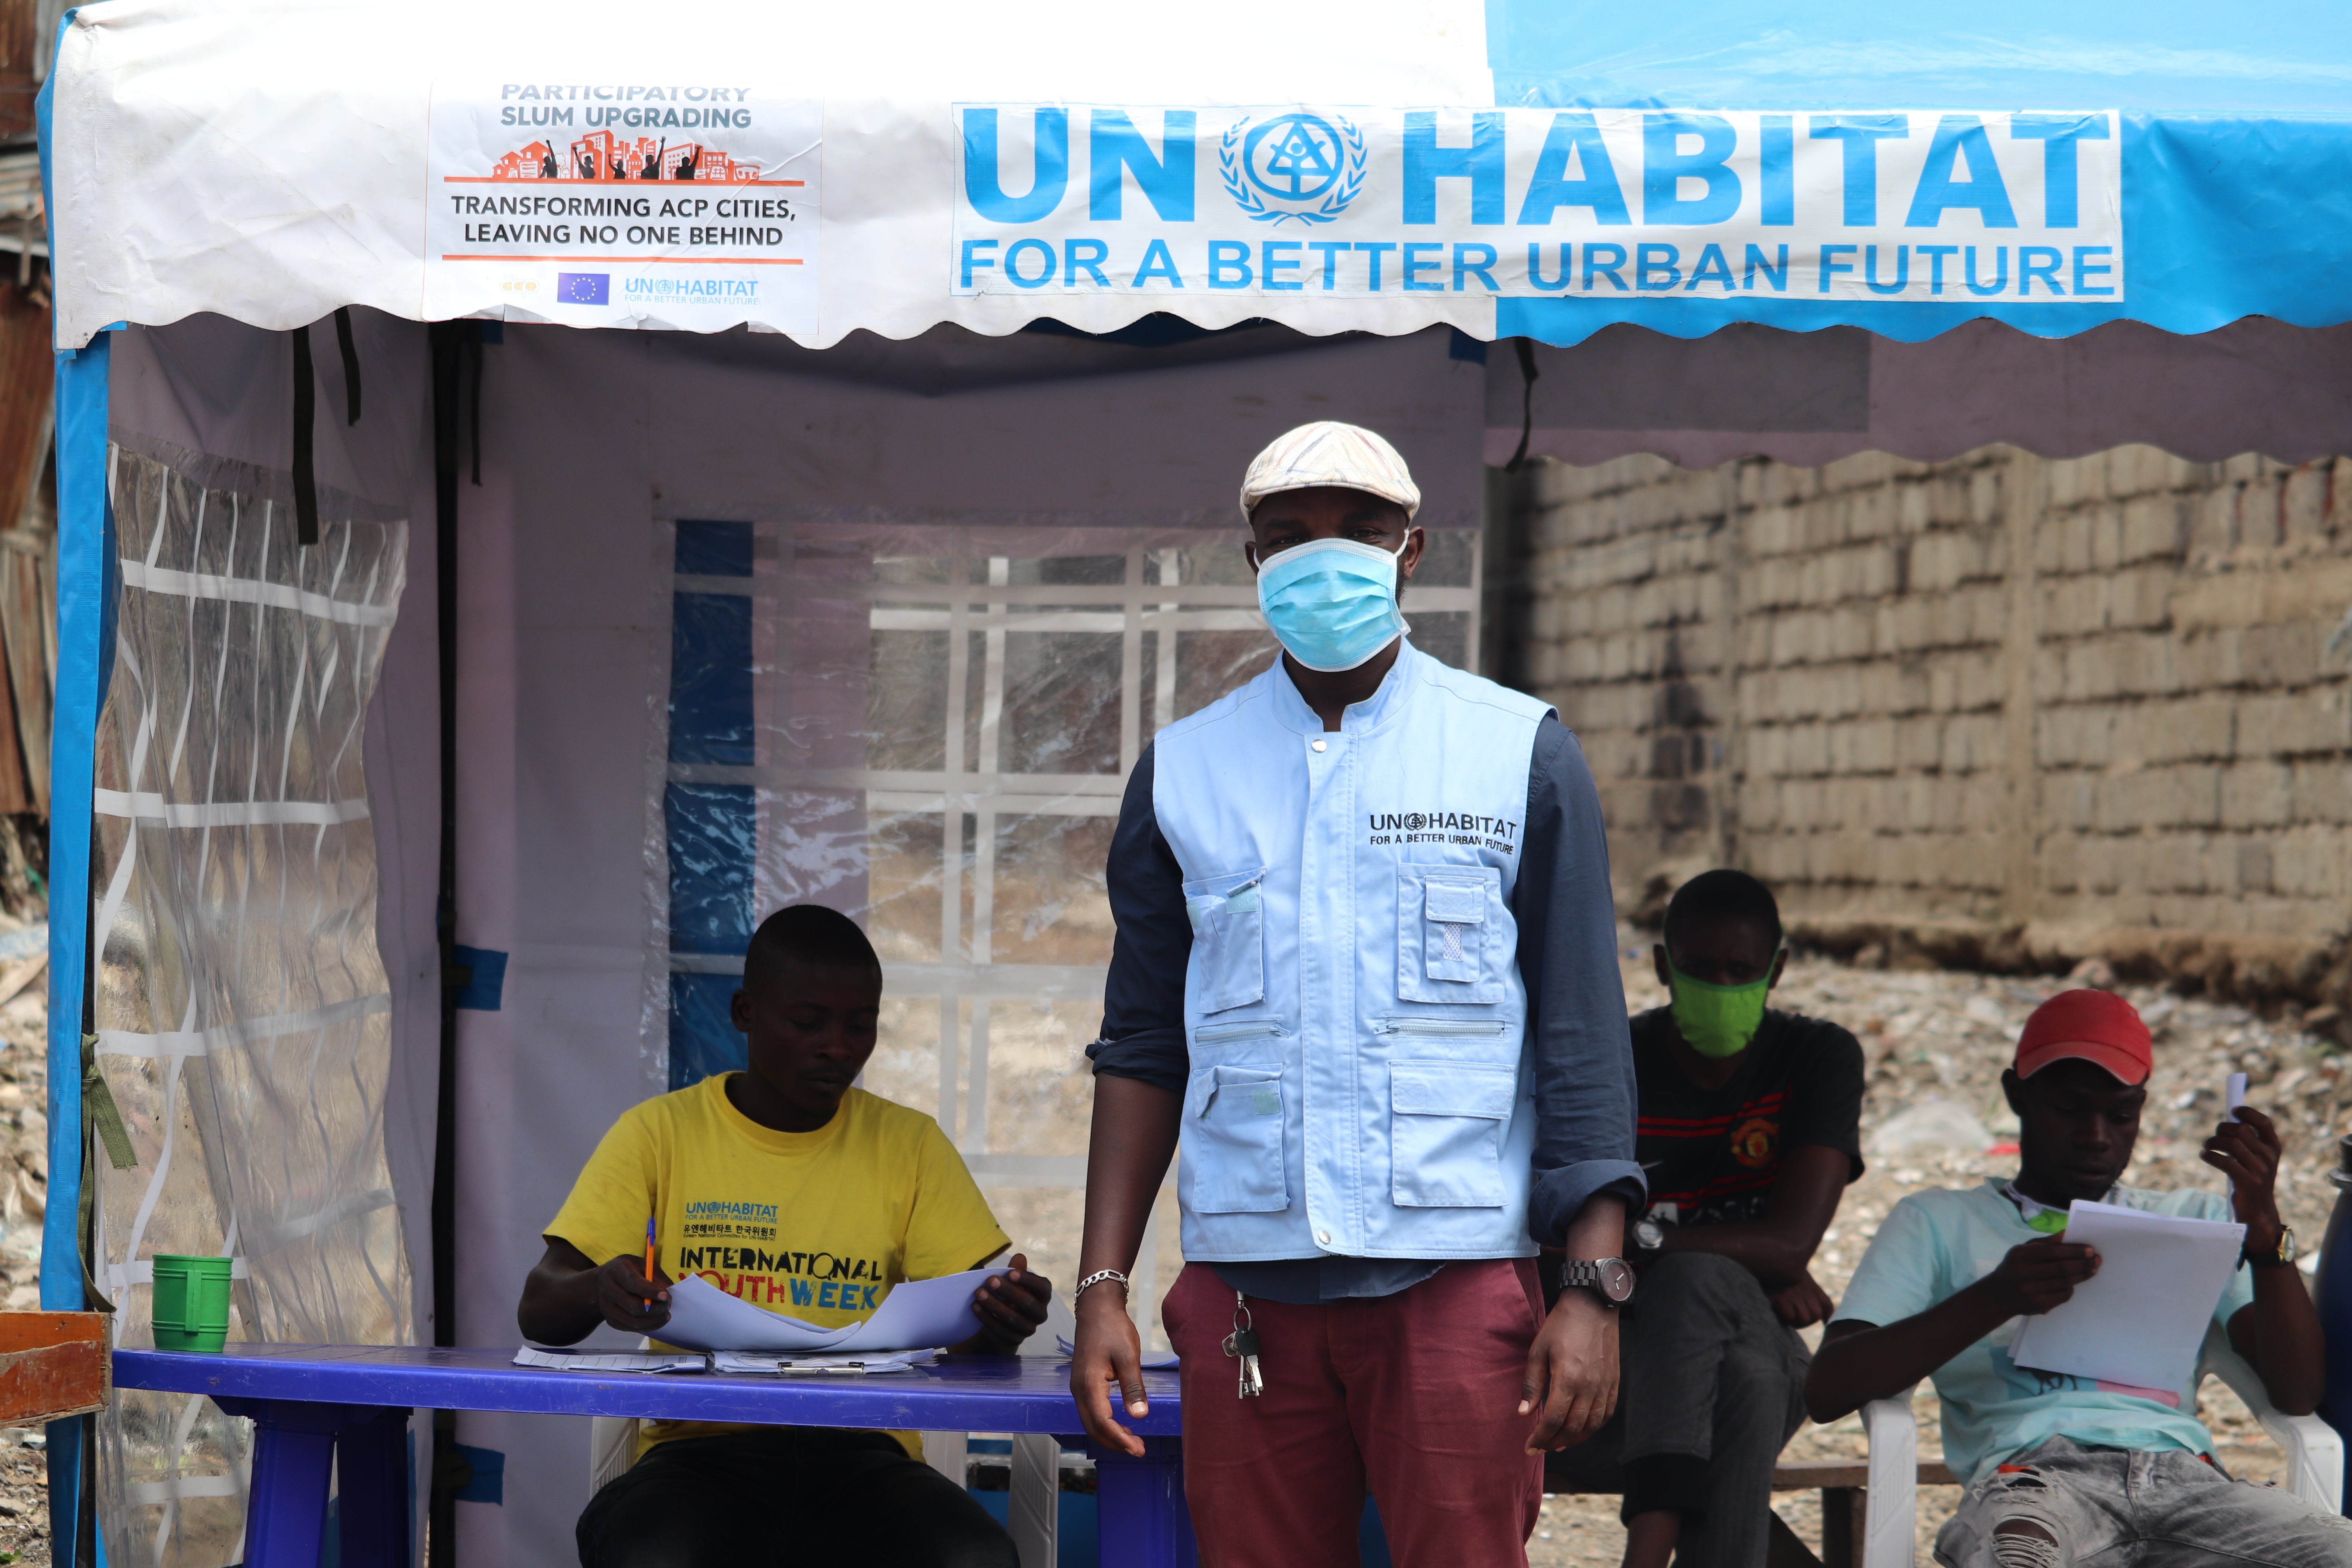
1228,940
1233,1127
1448,949
1446,1133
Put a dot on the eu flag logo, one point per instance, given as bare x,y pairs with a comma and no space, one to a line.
584,288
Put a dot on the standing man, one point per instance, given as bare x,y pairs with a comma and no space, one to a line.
1366,967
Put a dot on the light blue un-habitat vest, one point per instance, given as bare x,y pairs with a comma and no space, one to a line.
1353,1004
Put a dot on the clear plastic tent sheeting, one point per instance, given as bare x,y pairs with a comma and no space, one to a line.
928,725
242,1010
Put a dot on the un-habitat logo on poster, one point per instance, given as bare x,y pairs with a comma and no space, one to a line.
1924,205
1298,166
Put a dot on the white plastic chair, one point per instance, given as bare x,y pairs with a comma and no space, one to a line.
1890,1531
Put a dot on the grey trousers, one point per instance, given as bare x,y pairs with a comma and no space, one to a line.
1711,1385
2122,1508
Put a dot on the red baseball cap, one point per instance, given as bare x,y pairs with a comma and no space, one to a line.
2092,1027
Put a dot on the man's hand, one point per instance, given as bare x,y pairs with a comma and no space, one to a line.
1109,1353
1571,1382
1010,1307
1802,1303
2039,1275
623,1292
2247,1151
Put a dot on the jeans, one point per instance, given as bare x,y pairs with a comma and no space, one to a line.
786,1495
2125,1507
1710,1387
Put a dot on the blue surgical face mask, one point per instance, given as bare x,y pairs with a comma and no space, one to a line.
1332,603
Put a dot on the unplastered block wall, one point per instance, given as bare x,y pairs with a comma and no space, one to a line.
2028,710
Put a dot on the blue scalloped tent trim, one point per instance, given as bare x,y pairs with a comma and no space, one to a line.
2237,132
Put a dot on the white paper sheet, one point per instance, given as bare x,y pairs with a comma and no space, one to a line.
917,1314
839,1363
609,1360
2141,1319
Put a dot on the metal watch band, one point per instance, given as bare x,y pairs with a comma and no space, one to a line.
1593,1275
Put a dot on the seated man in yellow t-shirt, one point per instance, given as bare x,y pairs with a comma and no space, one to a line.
786,1186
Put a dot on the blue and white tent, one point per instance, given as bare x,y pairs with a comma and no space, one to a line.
865,579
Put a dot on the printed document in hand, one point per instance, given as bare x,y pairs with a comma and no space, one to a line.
2141,1319
918,1314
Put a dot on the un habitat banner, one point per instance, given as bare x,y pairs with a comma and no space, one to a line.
685,203
1923,205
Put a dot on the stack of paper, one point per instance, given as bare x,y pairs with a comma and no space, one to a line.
916,1315
2140,1320
835,1362
611,1361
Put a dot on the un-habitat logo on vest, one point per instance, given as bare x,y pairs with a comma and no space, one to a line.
1924,205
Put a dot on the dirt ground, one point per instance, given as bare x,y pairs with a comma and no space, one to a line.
23,1184
1941,1036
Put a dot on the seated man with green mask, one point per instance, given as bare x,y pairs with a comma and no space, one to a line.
1749,1132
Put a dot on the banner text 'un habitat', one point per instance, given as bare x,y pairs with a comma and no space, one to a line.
1906,206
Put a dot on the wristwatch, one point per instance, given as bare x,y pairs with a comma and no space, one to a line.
1648,1236
2280,1258
1611,1279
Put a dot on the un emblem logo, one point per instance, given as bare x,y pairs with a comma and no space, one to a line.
1298,166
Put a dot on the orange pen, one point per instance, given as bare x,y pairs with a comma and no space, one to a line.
649,1258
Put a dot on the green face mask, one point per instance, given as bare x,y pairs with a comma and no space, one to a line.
1718,1020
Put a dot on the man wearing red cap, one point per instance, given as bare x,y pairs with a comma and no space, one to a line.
2064,1469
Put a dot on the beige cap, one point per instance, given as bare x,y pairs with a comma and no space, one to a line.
1329,453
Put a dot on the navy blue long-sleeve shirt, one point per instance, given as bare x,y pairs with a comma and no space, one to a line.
1567,959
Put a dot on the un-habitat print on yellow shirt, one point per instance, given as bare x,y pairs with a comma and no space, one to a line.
817,1225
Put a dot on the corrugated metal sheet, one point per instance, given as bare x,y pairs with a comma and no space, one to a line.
27,527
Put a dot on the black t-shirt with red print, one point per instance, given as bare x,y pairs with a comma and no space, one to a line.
1714,1153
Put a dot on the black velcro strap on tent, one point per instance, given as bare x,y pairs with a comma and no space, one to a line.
474,397
351,364
306,413
1527,373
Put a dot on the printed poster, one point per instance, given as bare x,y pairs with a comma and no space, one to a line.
688,204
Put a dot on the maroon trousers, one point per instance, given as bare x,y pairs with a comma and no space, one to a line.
1415,1395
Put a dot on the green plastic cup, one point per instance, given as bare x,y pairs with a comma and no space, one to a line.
190,1302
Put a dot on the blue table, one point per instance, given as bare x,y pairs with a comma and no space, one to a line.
310,1402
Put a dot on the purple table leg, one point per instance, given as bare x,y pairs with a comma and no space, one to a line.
1140,1515
293,1446
371,1471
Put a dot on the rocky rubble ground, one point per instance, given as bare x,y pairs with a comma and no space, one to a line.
23,1184
1939,1040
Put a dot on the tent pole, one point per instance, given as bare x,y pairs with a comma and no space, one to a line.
83,628
447,340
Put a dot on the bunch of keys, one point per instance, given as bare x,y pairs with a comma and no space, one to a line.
1243,1343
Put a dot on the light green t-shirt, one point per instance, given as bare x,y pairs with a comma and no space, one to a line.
1936,1245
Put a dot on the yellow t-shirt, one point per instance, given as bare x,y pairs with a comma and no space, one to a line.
816,1224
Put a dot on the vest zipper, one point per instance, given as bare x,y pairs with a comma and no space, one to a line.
1475,1028
1253,1028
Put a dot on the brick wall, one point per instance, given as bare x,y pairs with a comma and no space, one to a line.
2021,709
